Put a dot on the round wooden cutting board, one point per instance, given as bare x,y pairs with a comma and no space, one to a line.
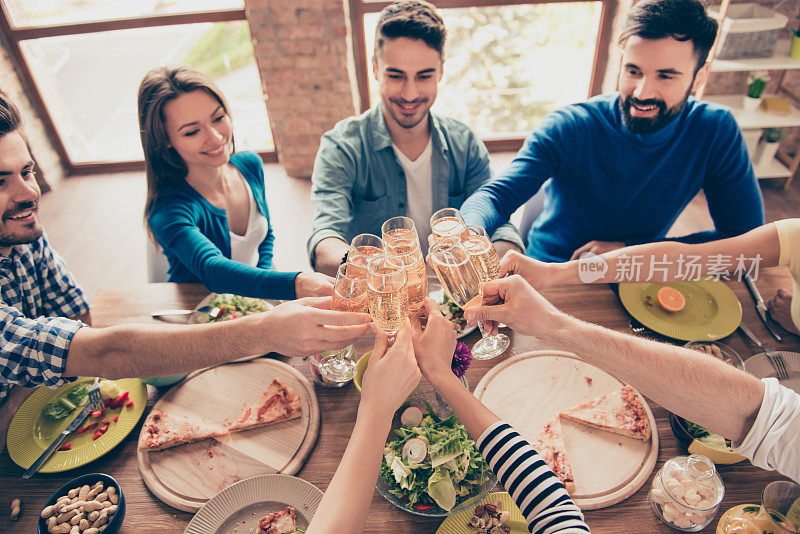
186,476
530,389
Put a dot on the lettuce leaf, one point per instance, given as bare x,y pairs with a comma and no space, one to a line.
441,489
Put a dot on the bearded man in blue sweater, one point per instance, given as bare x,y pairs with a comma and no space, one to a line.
619,169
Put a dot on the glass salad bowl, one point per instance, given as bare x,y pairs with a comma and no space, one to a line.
424,401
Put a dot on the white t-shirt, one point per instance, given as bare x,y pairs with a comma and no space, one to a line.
774,440
244,248
419,187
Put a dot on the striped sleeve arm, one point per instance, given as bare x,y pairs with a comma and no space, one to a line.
536,490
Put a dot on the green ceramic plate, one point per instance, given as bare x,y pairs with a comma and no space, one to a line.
30,433
712,310
457,524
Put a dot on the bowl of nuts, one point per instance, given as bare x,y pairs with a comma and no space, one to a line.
89,504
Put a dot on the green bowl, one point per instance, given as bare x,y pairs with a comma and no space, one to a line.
160,381
361,367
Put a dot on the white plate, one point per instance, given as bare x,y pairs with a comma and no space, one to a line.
759,366
436,292
241,505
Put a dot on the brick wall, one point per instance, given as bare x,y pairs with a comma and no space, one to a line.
50,168
306,66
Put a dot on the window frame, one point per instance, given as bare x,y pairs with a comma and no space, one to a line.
14,35
499,143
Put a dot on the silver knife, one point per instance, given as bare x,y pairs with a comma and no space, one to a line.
761,308
77,422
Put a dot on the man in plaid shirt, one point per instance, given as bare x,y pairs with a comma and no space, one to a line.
44,315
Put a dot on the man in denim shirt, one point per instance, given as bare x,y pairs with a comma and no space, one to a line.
397,158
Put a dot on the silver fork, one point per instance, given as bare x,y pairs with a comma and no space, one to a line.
774,358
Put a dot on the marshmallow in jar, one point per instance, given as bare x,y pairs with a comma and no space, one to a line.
686,492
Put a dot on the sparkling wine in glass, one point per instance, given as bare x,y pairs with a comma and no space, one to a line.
349,294
416,278
388,297
458,276
447,222
362,248
400,236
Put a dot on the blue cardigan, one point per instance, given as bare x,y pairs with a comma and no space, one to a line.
609,184
196,240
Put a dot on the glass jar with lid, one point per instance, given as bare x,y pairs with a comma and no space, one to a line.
686,492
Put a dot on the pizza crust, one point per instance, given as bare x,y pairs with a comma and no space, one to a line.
550,446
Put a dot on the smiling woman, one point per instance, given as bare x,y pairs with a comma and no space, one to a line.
206,205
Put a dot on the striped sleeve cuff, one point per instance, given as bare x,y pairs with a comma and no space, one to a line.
537,492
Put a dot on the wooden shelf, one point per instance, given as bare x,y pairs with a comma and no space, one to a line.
751,120
780,61
775,169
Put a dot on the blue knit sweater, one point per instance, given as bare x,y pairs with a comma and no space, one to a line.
609,184
196,240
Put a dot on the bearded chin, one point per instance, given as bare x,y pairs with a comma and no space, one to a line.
646,125
29,235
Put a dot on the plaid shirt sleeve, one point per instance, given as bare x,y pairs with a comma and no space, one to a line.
62,296
34,351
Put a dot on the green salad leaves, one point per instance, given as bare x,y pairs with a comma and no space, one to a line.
64,405
234,306
453,467
701,434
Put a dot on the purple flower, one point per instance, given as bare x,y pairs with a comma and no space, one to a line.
462,358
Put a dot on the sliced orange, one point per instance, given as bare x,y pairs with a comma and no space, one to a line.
670,299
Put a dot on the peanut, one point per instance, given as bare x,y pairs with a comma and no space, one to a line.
93,516
64,517
70,507
73,493
91,506
106,504
111,510
48,511
15,509
93,493
51,522
112,494
77,518
75,530
91,531
84,491
84,524
98,484
101,497
101,529
63,528
102,520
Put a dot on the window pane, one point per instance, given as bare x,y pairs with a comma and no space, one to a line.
52,12
507,67
90,82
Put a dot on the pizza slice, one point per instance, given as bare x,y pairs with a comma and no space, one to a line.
622,412
282,522
550,446
278,403
162,430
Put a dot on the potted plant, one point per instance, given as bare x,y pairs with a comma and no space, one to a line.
769,145
756,83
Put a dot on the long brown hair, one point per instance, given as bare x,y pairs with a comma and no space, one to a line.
163,166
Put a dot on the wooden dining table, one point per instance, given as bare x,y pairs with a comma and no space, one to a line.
593,303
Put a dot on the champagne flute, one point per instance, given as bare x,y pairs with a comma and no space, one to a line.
461,280
388,298
400,236
349,294
484,258
416,278
362,248
447,222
